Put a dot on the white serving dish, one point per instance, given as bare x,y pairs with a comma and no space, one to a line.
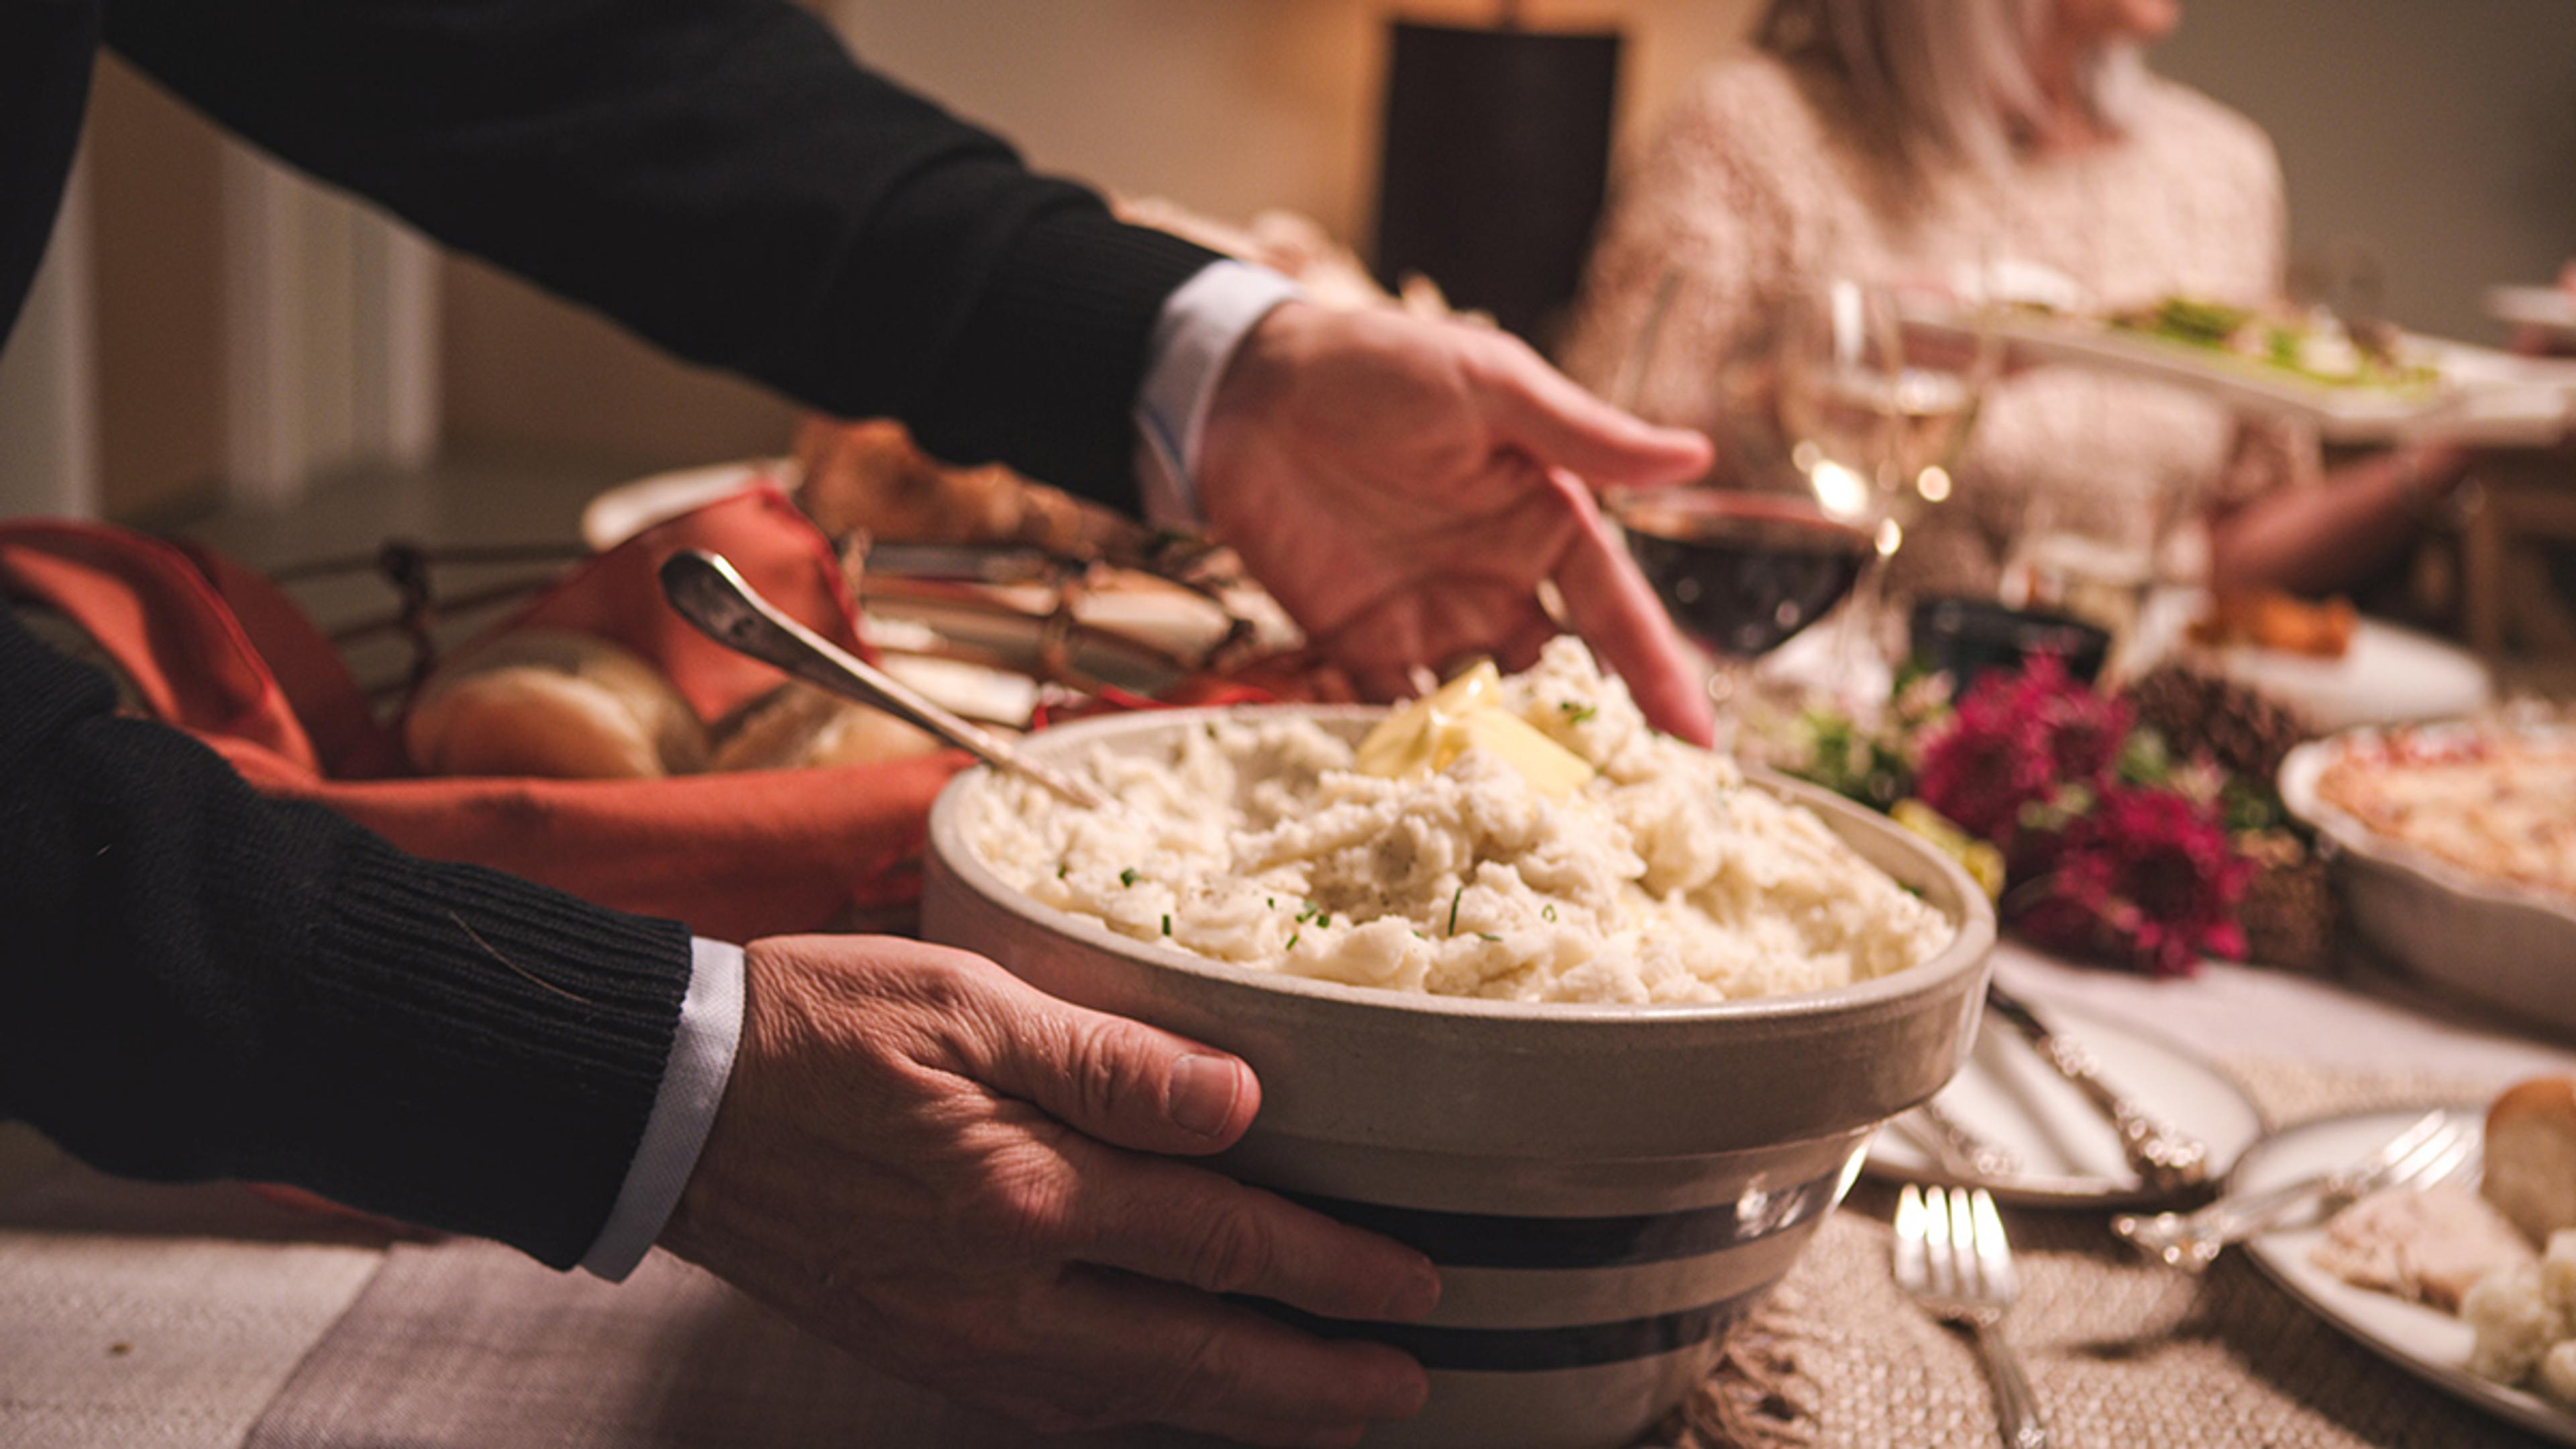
1607,1189
2507,946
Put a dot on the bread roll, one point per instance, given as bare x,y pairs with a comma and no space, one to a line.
557,705
797,726
2531,1156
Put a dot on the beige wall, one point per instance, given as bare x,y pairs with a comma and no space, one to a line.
2442,135
1228,106
157,228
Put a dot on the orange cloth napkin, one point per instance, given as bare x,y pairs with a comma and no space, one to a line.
220,652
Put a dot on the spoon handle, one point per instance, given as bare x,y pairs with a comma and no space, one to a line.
707,592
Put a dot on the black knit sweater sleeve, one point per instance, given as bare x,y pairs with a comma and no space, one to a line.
196,982
720,176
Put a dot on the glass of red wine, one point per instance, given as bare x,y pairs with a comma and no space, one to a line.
1790,524
1741,572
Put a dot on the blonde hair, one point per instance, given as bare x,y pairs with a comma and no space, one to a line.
1946,78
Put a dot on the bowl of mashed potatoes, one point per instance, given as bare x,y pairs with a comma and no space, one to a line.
1594,1018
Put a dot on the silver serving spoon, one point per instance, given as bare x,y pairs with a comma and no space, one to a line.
710,594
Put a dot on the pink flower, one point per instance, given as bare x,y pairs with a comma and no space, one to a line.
2018,741
2147,879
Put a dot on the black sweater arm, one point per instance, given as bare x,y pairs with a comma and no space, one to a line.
720,176
196,982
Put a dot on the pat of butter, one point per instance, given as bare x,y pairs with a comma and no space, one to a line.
1551,768
1464,714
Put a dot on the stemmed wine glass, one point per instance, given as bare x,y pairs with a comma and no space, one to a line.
1837,427
1750,556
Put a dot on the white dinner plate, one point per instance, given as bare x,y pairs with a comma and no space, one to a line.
2068,1154
2388,676
2426,1342
628,509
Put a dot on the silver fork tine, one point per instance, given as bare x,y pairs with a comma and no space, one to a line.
1909,1240
2456,1158
1963,1246
1994,1250
2424,1162
1936,1242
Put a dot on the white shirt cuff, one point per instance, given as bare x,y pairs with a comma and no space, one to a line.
693,1083
1194,338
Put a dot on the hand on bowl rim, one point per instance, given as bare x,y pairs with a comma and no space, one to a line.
1403,486
946,1172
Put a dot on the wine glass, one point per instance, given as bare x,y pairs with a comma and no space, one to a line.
1876,414
1836,429
2088,560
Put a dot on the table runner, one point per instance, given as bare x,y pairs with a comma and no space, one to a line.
2121,1352
158,1317
467,1344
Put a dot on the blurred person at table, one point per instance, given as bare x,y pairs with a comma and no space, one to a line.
1922,141
899,1147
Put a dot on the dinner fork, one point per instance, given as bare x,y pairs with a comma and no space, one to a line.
2436,1147
1951,1257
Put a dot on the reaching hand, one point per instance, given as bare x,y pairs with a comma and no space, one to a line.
944,1171
1404,486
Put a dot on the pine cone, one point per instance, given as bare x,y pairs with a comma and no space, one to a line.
2197,713
2289,914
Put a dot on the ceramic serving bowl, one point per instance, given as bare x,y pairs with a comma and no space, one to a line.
1607,1189
2508,947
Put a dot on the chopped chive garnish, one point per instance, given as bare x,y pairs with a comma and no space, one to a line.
1453,906
1488,935
1270,903
1547,913
1292,939
1167,925
1127,877
1060,869
1577,712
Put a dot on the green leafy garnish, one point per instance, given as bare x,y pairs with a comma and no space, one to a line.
1576,712
1167,925
1127,877
1453,906
1547,913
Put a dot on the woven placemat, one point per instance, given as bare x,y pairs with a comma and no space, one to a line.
2121,1353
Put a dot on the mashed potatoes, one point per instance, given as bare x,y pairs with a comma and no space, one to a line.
1659,879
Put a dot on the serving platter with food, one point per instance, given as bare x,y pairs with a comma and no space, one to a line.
2456,853
2336,668
2469,1283
2354,384
1593,1018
